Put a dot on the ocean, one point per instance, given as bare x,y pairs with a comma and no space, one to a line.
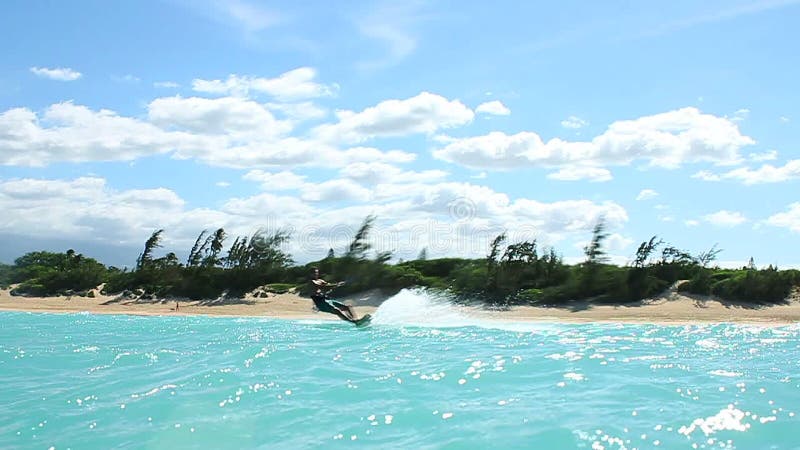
425,375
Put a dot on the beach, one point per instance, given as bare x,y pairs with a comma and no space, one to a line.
669,308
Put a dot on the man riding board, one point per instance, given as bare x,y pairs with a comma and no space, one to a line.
319,294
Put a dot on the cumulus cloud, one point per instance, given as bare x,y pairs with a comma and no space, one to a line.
277,181
724,218
646,194
448,218
58,73
68,132
228,132
424,113
767,173
706,175
234,116
788,219
573,122
336,190
299,112
766,156
576,173
662,140
374,173
295,84
494,107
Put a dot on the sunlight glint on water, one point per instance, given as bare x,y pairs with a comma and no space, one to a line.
83,381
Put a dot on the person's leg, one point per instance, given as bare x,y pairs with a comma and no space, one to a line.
345,309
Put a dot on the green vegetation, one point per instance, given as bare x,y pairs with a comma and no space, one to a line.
511,273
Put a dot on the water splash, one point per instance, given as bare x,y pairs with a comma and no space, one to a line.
429,309
421,307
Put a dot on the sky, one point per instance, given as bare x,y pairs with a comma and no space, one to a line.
451,122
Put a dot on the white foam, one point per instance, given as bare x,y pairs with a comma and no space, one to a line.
727,419
424,308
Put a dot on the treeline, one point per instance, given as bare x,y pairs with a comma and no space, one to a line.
511,273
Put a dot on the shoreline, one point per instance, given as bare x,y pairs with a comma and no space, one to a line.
671,308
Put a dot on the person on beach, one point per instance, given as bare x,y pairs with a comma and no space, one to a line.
319,294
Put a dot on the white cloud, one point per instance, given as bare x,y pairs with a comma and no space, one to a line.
646,194
706,175
336,190
166,84
576,173
58,73
74,209
448,218
424,113
494,107
76,133
574,122
691,223
770,155
228,132
662,140
789,219
479,176
784,119
740,115
373,173
279,181
767,173
725,218
234,116
222,184
299,112
292,85
128,78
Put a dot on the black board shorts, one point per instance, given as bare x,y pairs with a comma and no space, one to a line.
323,304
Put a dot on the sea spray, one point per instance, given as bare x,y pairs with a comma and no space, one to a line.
435,309
422,307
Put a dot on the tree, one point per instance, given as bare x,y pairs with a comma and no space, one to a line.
153,242
215,247
492,260
423,254
594,251
196,252
331,255
705,258
359,246
646,248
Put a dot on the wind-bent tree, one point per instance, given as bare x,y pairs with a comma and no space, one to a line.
360,246
152,243
492,259
706,258
644,251
197,250
214,248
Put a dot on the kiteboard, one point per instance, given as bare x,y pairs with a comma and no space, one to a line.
363,321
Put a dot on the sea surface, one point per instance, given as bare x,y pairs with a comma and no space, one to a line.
424,375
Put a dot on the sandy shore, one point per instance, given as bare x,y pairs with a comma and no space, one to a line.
669,308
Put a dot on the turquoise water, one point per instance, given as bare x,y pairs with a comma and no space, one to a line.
425,375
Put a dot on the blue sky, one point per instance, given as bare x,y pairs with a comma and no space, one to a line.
450,121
